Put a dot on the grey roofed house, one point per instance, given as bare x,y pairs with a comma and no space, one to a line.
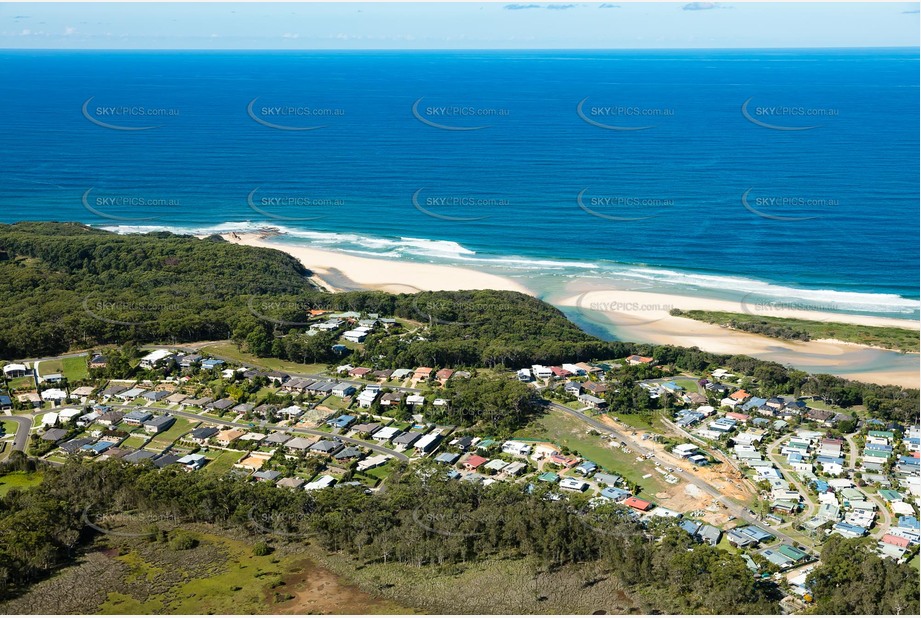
156,395
291,482
366,427
407,439
198,403
110,418
203,433
221,404
277,437
72,446
265,409
709,534
447,458
111,391
327,447
322,387
349,452
165,460
401,373
607,479
739,540
243,408
132,393
266,475
159,423
137,416
299,444
116,452
139,456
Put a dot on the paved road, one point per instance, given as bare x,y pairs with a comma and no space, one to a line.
299,430
790,476
731,506
882,526
21,440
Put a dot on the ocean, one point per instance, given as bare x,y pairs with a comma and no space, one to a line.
791,175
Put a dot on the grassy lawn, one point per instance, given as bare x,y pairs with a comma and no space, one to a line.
134,441
639,421
689,384
23,383
74,368
232,353
221,462
914,562
563,430
166,438
19,480
8,427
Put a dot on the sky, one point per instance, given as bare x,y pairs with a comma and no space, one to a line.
466,25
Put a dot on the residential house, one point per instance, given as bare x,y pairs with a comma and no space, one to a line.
157,424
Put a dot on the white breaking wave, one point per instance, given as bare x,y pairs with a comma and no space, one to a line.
446,251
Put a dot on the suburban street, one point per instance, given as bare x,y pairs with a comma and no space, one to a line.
21,438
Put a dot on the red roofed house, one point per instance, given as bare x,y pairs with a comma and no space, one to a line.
738,416
740,395
560,372
474,462
640,505
359,372
563,460
422,373
443,375
891,539
636,359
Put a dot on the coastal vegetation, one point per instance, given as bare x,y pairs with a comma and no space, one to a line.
889,337
70,286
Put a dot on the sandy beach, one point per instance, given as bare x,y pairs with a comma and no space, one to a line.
634,315
342,272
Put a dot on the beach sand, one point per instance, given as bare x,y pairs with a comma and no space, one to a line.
342,272
639,316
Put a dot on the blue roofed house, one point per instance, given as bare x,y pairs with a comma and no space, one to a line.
586,468
342,422
615,494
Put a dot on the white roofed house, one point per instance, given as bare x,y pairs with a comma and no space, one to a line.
150,361
366,398
15,370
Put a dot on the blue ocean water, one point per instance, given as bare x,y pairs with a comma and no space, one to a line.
789,173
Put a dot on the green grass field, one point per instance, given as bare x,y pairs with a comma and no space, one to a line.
134,441
563,430
231,352
19,480
166,438
221,462
23,383
74,367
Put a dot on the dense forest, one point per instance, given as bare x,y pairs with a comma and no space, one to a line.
422,520
69,286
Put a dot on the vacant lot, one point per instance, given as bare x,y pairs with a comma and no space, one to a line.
565,431
73,368
231,352
166,438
